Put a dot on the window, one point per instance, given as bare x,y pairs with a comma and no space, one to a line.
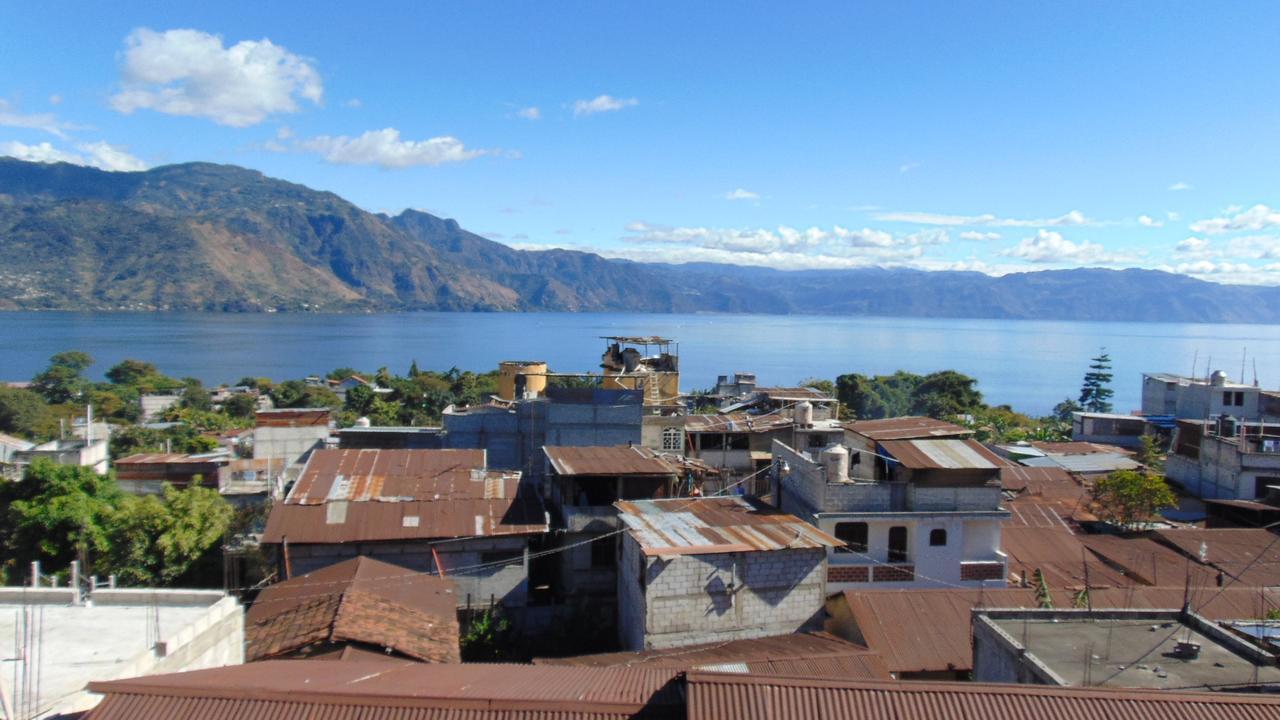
937,537
897,544
854,536
1235,398
673,440
817,440
739,441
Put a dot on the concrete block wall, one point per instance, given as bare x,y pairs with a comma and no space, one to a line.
932,499
632,609
692,599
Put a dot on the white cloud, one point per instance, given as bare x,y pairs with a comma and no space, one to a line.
1178,186
385,149
1173,216
189,72
47,122
741,194
55,99
602,103
96,154
529,113
1193,247
905,168
1047,246
1254,247
1258,217
1148,221
1075,217
788,246
353,103
979,236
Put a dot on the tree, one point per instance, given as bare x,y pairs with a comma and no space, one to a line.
63,380
241,405
24,413
160,540
56,514
194,395
1063,410
1095,395
1128,498
944,395
1149,453
143,376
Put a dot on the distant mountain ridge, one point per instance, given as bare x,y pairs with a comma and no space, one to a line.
200,236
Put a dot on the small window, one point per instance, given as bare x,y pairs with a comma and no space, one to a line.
1226,398
739,441
817,440
673,440
898,544
854,536
1240,399
937,537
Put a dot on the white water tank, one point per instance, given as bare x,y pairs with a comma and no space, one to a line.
804,413
363,422
1218,378
836,460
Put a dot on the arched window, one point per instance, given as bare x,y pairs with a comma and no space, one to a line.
673,440
937,537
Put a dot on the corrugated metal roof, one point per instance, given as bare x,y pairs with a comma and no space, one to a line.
930,631
817,654
374,495
1251,555
362,690
694,526
293,417
1094,464
1059,556
906,428
724,697
735,423
359,600
1078,448
946,454
1046,497
794,393
614,460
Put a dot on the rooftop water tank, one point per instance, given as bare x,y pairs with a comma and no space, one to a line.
836,460
804,413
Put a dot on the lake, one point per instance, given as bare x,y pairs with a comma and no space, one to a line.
1030,365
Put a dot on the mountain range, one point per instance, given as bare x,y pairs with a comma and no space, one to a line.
206,237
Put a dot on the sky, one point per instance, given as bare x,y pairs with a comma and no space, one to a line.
997,137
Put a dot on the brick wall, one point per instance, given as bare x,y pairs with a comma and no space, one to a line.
848,573
981,571
893,573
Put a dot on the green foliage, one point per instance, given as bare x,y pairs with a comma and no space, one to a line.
485,638
820,385
56,514
1095,395
158,540
128,440
63,381
1127,498
141,376
242,406
1149,453
25,413
1062,411
195,396
297,394
940,395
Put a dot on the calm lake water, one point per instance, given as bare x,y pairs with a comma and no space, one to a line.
1029,365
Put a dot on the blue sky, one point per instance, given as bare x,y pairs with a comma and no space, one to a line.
999,137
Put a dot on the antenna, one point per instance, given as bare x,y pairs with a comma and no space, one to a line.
1194,358
1208,368
1255,371
1243,354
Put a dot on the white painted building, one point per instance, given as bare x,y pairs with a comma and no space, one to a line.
1222,460
1202,398
933,519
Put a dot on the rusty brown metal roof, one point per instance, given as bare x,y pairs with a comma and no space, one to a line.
929,630
293,417
360,600
1078,448
1060,558
166,459
1250,555
942,454
613,460
817,654
699,526
376,495
906,428
1045,497
362,690
735,423
713,696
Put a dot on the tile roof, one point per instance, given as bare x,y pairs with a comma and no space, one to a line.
613,460
698,526
374,495
817,654
358,690
930,631
944,454
360,600
906,428
714,696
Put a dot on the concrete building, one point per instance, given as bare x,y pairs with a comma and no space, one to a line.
154,405
928,515
147,473
628,364
1161,650
290,434
1124,431
373,437
55,640
716,569
863,437
738,444
1202,398
91,453
581,486
1225,460
434,511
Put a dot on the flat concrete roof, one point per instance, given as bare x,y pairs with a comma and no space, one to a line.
1064,644
74,644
